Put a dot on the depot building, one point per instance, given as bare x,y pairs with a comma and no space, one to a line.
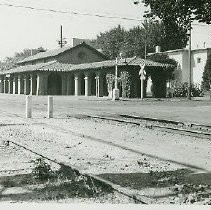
79,70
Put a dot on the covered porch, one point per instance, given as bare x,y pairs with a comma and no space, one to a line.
89,79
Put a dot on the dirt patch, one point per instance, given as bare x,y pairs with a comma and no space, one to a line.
35,181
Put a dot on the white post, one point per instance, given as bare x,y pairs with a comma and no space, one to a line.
86,78
50,106
142,88
77,88
116,90
116,74
142,74
190,65
28,106
19,84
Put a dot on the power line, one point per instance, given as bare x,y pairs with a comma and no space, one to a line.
82,14
69,13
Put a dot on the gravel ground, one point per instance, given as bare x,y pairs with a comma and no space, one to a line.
16,166
90,156
14,160
139,142
142,159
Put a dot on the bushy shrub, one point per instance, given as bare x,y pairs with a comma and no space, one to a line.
160,75
42,171
66,182
126,83
207,75
181,90
110,78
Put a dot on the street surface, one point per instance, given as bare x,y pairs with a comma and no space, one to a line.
195,111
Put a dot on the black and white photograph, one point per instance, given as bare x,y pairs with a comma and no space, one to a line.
105,102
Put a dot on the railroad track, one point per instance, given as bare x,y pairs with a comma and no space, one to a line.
161,124
122,190
189,129
92,138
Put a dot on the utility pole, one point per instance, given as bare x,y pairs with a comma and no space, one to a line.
61,44
190,64
137,2
145,43
142,72
62,40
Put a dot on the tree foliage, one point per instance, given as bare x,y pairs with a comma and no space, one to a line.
10,62
180,11
126,83
132,42
111,42
176,15
160,75
164,58
179,89
207,74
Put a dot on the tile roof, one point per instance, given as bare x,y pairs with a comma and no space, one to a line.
55,52
27,68
139,61
56,66
99,65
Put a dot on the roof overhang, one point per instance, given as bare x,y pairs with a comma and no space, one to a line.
62,67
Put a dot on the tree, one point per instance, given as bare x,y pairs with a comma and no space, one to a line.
151,34
207,74
174,37
26,53
10,62
176,15
180,11
203,11
111,42
159,79
132,42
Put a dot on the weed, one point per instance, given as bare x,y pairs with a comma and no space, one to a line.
66,181
42,171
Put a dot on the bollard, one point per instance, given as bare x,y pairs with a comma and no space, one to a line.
28,106
50,106
142,89
115,95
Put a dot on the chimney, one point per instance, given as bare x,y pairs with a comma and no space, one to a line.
157,49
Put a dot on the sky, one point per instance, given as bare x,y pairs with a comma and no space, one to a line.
23,28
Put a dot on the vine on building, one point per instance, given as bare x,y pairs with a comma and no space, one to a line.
126,82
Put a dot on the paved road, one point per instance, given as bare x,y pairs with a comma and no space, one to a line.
196,111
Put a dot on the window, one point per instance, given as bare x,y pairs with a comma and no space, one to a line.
198,60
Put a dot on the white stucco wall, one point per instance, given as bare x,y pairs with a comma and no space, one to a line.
198,62
181,56
199,59
186,67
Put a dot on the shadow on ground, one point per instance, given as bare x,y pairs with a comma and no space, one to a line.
157,185
159,179
24,187
166,184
